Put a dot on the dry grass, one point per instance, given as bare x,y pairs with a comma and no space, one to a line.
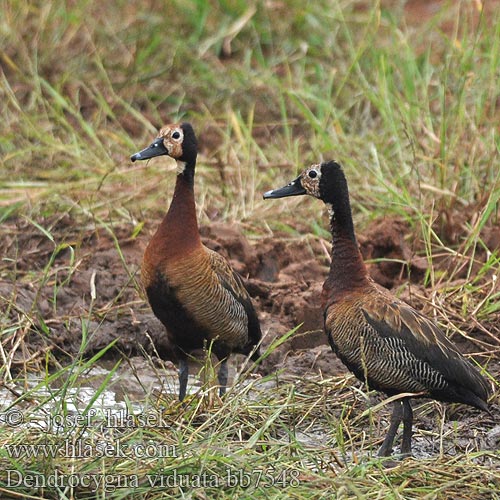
410,110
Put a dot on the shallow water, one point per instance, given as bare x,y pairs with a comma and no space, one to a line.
52,406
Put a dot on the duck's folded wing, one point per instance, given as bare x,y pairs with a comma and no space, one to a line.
234,284
425,340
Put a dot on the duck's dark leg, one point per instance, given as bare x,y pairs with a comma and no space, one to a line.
183,378
396,417
407,427
222,376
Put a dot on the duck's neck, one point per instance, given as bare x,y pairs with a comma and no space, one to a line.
347,269
179,229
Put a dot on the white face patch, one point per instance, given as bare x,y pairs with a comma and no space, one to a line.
310,180
176,134
181,166
172,136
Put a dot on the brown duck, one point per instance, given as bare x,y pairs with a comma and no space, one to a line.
386,343
192,289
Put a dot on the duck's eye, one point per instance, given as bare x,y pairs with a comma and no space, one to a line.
313,174
176,135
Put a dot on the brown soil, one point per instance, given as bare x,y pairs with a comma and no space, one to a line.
284,277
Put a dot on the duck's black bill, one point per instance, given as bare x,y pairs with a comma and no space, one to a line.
293,189
156,149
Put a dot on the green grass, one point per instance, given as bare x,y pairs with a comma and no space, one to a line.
411,111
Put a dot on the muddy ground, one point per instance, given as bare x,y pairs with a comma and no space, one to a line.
284,277
46,293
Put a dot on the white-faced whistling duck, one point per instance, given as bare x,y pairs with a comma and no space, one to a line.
386,343
192,289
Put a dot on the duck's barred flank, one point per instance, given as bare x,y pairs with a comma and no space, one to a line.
191,289
384,363
386,343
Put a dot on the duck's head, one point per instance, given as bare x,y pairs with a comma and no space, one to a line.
177,140
322,180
